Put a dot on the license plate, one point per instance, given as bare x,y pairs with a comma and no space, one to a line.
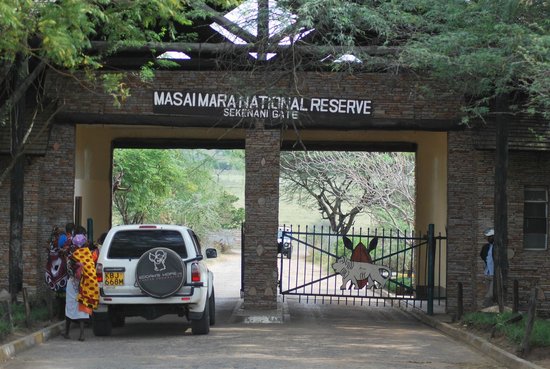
114,279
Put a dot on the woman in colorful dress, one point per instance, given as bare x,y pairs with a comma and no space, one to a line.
82,287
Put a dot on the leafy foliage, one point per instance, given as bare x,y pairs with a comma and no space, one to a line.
540,336
404,285
146,180
483,49
478,49
172,186
61,32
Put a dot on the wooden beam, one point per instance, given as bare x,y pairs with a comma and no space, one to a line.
226,47
287,145
227,24
262,28
177,143
350,146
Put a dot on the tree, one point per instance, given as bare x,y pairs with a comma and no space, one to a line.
497,55
390,183
171,186
146,178
56,36
486,50
198,200
344,184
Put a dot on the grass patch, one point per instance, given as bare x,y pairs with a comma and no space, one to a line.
4,328
39,313
402,287
540,335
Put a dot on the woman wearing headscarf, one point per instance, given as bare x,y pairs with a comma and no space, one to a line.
82,287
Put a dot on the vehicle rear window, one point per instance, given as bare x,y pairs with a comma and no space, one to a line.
132,244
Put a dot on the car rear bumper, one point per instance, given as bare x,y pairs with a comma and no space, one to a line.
194,297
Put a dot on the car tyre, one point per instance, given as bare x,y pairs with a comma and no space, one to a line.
202,325
101,324
212,308
289,252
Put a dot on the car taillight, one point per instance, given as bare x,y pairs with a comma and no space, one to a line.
99,272
195,273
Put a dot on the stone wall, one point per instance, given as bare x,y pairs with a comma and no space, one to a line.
529,267
49,186
471,211
393,97
397,101
48,196
462,212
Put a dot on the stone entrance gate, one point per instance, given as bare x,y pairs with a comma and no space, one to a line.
85,131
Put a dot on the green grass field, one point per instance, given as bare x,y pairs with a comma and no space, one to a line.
289,213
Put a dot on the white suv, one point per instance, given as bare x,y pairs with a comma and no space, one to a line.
150,271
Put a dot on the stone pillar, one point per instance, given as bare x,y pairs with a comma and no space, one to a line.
261,219
463,211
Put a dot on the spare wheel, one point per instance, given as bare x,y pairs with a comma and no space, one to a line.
160,272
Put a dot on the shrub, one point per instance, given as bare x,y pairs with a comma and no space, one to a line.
540,335
403,285
39,313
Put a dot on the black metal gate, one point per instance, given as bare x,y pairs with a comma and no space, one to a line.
412,267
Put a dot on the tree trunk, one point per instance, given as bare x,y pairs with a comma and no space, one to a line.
263,29
17,121
501,201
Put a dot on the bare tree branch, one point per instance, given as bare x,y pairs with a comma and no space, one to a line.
21,89
20,150
346,184
227,24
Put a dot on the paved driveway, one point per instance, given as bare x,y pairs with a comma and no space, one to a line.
312,336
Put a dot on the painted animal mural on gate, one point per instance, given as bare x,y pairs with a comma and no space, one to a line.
359,269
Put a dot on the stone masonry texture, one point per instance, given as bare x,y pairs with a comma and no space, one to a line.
261,214
49,182
49,196
471,211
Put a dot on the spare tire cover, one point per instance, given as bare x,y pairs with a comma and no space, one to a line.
160,272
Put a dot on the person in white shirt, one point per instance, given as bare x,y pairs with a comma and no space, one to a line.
488,255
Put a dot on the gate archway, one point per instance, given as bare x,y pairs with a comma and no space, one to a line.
93,177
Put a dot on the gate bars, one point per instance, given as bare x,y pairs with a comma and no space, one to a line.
417,263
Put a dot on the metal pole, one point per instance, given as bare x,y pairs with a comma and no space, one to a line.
431,268
242,260
90,229
460,302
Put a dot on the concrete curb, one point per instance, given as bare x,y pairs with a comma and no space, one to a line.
503,357
276,316
239,315
9,350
